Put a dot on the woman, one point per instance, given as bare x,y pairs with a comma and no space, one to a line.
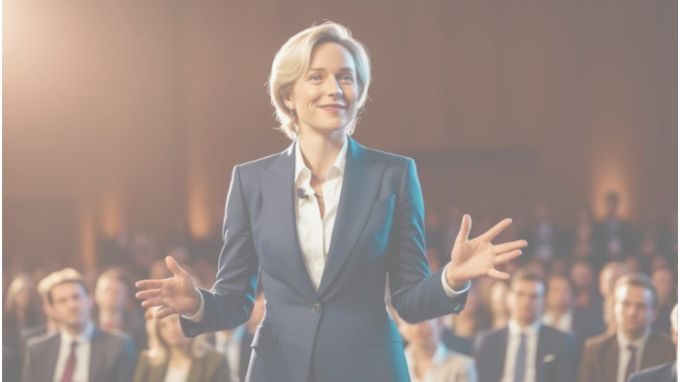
22,311
172,357
321,224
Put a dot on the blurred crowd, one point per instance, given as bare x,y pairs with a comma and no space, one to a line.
593,301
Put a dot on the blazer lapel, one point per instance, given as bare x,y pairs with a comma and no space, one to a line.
541,352
51,357
280,213
611,362
360,184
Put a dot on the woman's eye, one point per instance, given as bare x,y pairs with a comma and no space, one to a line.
315,77
347,77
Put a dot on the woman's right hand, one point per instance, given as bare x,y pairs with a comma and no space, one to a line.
173,295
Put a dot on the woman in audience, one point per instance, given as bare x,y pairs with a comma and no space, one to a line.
22,311
172,357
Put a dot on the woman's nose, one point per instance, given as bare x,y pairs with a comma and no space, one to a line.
333,87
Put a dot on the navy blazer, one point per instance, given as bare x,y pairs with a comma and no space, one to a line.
556,356
661,373
342,332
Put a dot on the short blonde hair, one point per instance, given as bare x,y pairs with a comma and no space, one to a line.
293,60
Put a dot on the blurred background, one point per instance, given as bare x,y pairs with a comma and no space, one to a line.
123,120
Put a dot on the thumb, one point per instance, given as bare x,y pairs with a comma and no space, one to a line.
174,266
465,226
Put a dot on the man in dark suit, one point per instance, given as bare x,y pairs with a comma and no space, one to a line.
634,345
613,237
668,371
79,352
526,350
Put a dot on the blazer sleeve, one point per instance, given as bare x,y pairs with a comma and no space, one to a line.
126,361
230,301
416,294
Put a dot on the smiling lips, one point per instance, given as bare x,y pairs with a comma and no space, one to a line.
333,107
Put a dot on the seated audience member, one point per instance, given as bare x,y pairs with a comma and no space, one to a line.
429,360
582,276
498,304
22,311
609,275
613,357
175,357
562,315
471,320
613,237
114,311
79,351
668,371
526,350
665,284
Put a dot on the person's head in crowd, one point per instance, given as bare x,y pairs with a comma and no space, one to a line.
424,335
70,301
665,284
112,291
582,275
167,340
44,287
498,304
612,200
22,301
609,274
560,296
632,263
635,305
525,298
659,262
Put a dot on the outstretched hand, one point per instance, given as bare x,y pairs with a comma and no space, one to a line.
472,258
173,295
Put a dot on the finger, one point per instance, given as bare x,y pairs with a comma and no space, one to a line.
464,231
147,294
507,257
150,303
149,284
495,273
507,247
174,266
163,312
495,230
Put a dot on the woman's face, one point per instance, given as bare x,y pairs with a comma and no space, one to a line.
171,332
324,98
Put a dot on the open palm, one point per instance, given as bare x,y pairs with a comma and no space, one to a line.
171,295
472,258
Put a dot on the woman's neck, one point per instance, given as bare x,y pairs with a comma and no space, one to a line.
320,151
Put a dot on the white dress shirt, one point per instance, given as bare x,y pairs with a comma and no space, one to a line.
564,323
229,344
82,369
624,354
514,333
313,230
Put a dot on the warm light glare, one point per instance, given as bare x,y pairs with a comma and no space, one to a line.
110,217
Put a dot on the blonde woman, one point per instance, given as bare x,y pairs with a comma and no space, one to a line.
322,224
172,357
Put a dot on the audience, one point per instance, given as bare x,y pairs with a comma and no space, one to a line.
429,360
79,351
526,350
175,357
666,372
610,273
634,345
22,311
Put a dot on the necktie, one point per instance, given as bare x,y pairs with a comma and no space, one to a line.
631,367
70,364
521,360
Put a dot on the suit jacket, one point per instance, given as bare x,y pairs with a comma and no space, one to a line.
212,367
342,331
112,358
586,323
601,356
556,355
661,373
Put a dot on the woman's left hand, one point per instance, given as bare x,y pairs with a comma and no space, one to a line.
472,258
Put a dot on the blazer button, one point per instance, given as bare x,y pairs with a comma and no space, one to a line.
316,308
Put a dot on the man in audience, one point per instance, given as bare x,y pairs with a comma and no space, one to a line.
429,360
609,275
613,357
112,297
525,350
79,351
668,371
665,284
562,315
